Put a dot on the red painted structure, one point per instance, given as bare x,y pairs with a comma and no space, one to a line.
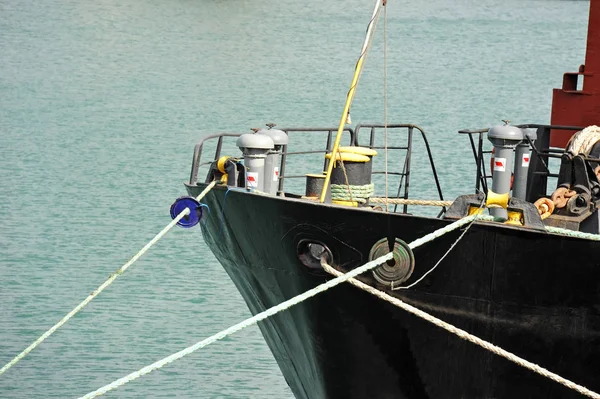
573,107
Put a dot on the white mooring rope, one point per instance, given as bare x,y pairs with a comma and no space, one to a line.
465,335
108,282
275,309
406,201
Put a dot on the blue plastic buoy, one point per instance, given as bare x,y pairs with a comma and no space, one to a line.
195,215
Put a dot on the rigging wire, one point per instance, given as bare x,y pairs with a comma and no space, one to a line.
481,205
385,101
350,96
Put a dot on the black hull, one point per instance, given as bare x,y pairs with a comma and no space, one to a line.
534,294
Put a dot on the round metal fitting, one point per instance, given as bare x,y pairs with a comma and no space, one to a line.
505,136
279,137
578,204
310,253
255,141
505,132
398,269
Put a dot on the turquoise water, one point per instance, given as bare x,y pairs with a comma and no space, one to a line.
102,101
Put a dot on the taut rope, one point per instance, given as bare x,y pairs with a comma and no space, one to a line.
465,335
108,282
276,309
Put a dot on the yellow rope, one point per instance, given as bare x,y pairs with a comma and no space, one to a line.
350,96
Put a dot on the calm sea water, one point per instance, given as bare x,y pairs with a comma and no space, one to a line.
102,101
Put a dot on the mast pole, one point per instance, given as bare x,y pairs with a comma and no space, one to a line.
350,96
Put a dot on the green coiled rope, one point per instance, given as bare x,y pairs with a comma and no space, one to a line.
351,192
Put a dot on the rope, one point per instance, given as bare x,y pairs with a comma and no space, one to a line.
385,101
371,27
556,230
338,187
442,258
583,141
351,192
403,201
108,282
275,309
572,233
465,335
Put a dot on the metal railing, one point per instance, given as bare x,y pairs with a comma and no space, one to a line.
330,131
352,135
198,153
394,129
